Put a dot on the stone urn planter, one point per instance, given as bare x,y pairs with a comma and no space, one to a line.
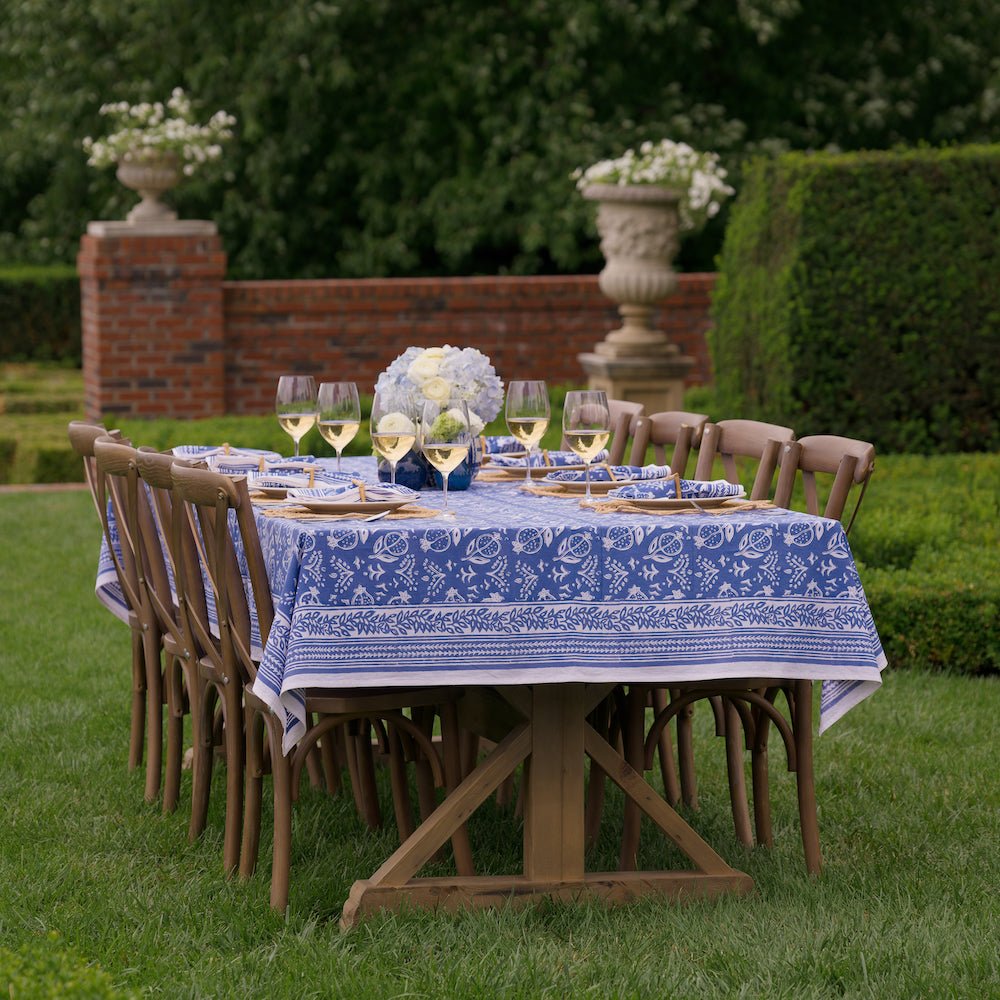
150,176
639,229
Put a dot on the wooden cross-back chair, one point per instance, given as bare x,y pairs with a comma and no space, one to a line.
849,462
675,428
126,518
749,706
188,682
82,435
750,440
210,498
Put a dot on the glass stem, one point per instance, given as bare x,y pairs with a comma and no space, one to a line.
338,459
586,479
527,466
392,473
444,487
296,441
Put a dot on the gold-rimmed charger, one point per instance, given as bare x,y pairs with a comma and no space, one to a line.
514,473
318,505
578,486
685,503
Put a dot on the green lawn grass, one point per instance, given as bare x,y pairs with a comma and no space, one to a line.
905,907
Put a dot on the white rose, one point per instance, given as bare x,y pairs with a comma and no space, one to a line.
437,389
476,425
396,423
434,352
423,368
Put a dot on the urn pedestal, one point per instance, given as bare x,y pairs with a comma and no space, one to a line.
639,230
150,176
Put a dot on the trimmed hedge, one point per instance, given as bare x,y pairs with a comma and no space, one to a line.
858,295
40,314
46,970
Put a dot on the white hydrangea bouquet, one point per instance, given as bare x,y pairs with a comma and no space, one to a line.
697,177
443,374
144,132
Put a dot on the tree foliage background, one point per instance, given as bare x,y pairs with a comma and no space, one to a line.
396,137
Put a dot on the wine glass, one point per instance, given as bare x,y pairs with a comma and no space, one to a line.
393,428
295,405
527,416
586,426
339,414
446,439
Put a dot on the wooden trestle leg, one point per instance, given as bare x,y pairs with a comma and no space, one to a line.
555,737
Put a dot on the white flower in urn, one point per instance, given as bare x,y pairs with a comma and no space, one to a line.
445,374
696,177
145,131
396,423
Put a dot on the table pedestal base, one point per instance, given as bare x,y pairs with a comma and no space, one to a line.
552,743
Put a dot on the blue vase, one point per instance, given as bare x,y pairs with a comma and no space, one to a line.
412,470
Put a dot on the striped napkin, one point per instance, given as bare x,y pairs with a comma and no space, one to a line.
208,452
352,492
602,473
696,489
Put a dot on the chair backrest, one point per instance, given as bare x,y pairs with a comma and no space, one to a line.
850,462
679,428
743,439
82,435
208,498
178,547
129,528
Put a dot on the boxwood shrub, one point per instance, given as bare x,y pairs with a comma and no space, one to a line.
40,314
858,294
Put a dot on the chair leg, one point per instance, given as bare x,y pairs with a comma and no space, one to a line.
671,788
633,731
761,780
154,713
137,727
401,804
234,742
281,847
331,765
805,779
203,760
601,721
371,813
737,780
174,684
685,757
450,739
314,763
253,725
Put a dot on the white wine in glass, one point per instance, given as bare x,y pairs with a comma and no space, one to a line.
446,439
295,406
339,414
527,414
586,426
393,429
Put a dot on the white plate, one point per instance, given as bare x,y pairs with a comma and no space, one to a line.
601,486
271,492
671,503
320,506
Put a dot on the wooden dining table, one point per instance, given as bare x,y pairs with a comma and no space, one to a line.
537,607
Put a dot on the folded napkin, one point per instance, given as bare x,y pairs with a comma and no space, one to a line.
601,473
497,444
544,458
663,489
351,492
207,452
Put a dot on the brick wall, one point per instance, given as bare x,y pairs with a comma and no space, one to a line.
530,327
164,335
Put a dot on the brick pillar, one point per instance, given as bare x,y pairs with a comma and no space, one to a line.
152,316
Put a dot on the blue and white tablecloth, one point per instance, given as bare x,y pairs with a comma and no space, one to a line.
525,589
